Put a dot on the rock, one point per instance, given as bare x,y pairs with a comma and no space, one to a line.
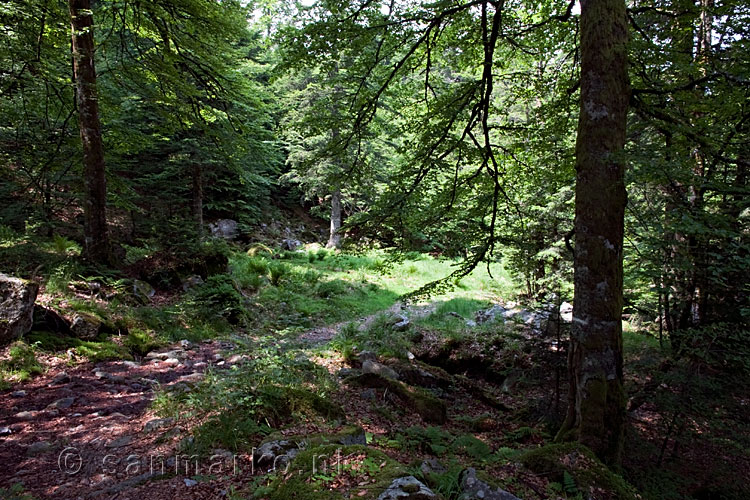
430,408
290,244
224,228
408,488
157,423
432,468
143,291
470,323
354,436
60,378
367,356
165,355
368,395
275,453
118,379
186,344
25,415
85,327
119,442
190,482
131,364
566,312
191,282
379,369
5,431
38,448
192,378
62,404
17,299
401,323
18,394
473,488
49,320
171,361
490,314
347,372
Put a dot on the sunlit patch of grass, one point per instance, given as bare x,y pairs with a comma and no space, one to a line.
101,349
20,366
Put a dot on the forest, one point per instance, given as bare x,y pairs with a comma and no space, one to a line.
326,249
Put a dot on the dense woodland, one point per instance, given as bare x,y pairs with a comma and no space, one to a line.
375,249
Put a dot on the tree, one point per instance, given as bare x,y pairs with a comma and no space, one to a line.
596,408
94,175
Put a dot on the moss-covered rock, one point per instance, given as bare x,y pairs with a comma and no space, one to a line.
591,476
334,472
430,408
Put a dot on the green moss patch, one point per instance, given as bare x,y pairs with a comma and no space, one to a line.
576,466
333,472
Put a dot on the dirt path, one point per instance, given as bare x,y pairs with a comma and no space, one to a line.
78,431
88,431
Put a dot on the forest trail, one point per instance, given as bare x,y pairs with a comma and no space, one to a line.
89,430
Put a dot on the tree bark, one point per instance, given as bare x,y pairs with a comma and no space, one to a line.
96,238
597,399
334,239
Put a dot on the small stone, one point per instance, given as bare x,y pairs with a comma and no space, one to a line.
346,372
190,482
157,423
379,369
62,403
171,361
109,376
25,415
18,394
119,442
368,395
5,431
367,356
186,344
408,487
38,448
473,488
131,364
60,378
470,323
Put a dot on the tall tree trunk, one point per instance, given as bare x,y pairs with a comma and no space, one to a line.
197,201
334,239
597,400
94,177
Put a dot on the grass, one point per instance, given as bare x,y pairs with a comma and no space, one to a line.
20,366
298,290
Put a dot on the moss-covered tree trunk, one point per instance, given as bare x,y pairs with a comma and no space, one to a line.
597,399
94,178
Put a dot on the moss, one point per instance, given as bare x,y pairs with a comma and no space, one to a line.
95,350
590,474
314,471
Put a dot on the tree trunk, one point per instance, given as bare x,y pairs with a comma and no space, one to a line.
197,201
96,243
334,240
597,400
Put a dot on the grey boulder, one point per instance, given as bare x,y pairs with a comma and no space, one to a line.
17,299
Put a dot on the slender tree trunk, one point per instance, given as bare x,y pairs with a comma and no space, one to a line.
94,177
334,240
597,400
197,201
